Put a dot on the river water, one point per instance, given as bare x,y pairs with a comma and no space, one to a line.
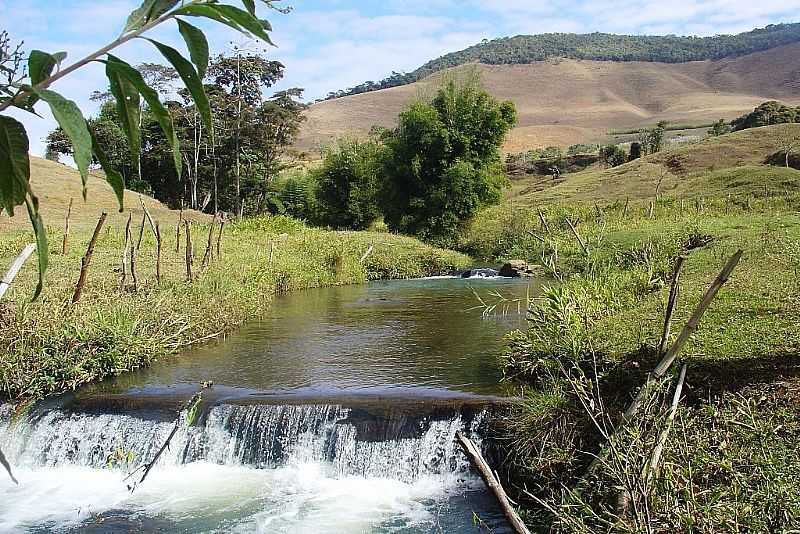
334,413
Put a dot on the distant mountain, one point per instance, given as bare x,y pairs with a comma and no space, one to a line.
524,49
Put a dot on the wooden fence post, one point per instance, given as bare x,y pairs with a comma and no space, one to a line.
124,276
209,253
673,299
158,253
133,252
219,237
65,241
87,259
189,251
178,232
141,232
544,222
15,268
662,438
147,214
625,210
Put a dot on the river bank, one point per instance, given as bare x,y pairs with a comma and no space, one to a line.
730,460
51,346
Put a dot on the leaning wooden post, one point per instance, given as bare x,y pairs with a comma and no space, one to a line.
577,236
219,237
625,210
492,483
133,252
662,438
16,267
650,210
124,276
544,222
65,241
189,252
271,251
209,253
664,365
178,232
147,214
141,232
158,253
87,259
673,299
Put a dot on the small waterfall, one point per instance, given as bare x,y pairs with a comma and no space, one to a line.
352,441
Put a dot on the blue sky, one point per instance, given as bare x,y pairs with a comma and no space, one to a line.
333,44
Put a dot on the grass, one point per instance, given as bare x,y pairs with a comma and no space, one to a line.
51,346
670,128
731,464
730,163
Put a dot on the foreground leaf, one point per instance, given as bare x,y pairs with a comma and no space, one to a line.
192,81
197,44
70,118
251,6
14,164
156,107
40,66
236,18
42,248
128,108
147,12
113,177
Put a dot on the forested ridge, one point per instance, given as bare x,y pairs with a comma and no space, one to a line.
523,49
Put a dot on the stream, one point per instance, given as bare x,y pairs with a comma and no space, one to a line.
336,412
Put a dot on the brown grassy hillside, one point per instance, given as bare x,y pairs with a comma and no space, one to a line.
56,184
561,102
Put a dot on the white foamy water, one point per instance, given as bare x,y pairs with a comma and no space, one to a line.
293,469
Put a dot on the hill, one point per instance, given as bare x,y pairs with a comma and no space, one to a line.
55,184
523,49
729,164
567,101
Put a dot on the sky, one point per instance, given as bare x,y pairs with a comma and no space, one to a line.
328,45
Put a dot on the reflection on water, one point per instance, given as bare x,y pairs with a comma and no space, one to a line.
417,337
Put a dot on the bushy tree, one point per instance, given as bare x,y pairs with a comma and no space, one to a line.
443,160
635,151
613,156
347,184
719,128
766,114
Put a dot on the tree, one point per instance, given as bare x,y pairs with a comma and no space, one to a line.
635,152
127,86
612,155
348,183
719,128
443,160
788,140
767,114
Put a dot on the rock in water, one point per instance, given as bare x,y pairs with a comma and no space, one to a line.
515,269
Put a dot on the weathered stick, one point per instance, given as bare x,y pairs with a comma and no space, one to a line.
133,252
536,237
599,211
124,276
158,253
189,252
664,365
544,222
662,438
625,210
271,251
178,232
577,236
141,232
492,483
16,267
147,214
673,299
65,241
367,253
87,258
209,253
650,210
219,237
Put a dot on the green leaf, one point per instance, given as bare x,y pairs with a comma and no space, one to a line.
251,6
70,118
257,27
42,248
113,177
40,66
128,108
192,81
234,17
147,12
156,107
15,168
197,44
